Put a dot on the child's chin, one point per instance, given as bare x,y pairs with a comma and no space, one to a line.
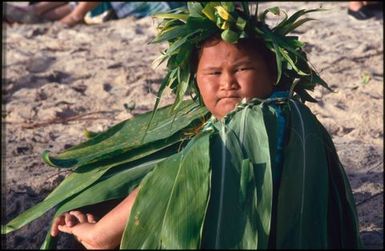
227,105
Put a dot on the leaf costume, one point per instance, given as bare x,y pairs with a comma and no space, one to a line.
267,175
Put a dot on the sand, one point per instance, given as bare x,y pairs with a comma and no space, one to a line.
59,81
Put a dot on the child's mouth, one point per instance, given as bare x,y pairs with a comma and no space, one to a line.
229,97
231,100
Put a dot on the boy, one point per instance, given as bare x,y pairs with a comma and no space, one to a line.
261,173
226,74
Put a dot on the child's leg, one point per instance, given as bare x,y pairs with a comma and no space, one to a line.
42,7
83,7
58,13
78,14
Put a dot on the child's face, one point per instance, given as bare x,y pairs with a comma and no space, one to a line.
226,74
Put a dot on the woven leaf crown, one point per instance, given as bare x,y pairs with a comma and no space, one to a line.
185,28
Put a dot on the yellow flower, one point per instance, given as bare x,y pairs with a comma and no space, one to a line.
222,12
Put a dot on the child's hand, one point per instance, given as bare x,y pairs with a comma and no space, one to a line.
104,234
81,225
69,220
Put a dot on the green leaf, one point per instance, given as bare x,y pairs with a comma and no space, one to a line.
294,42
230,36
173,49
91,170
57,162
162,86
199,23
209,10
290,27
274,10
241,23
182,17
49,242
123,138
278,60
166,24
179,189
221,230
290,61
172,33
239,212
281,41
73,184
305,95
246,181
112,185
195,9
182,59
343,210
89,134
256,144
288,22
183,82
317,79
173,79
245,7
303,185
70,187
159,60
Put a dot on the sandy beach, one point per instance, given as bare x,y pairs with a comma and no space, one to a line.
59,81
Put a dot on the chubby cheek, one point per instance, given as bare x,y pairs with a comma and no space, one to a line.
260,87
208,91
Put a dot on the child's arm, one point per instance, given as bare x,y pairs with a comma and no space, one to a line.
104,234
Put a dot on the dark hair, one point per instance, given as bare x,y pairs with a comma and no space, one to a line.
254,44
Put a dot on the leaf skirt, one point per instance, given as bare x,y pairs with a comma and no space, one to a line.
249,181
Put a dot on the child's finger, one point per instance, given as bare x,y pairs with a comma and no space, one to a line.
69,219
91,218
79,216
65,229
54,228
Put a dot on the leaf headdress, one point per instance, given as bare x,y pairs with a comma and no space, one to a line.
185,28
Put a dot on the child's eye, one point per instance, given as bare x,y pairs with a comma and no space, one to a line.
215,73
244,68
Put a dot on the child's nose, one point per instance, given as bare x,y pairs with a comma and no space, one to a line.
228,81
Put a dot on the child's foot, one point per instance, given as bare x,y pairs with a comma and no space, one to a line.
71,20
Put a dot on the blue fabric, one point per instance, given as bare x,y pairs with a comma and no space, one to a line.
138,9
278,158
100,9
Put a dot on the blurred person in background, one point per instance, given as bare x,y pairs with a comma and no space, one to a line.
73,13
363,10
66,13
